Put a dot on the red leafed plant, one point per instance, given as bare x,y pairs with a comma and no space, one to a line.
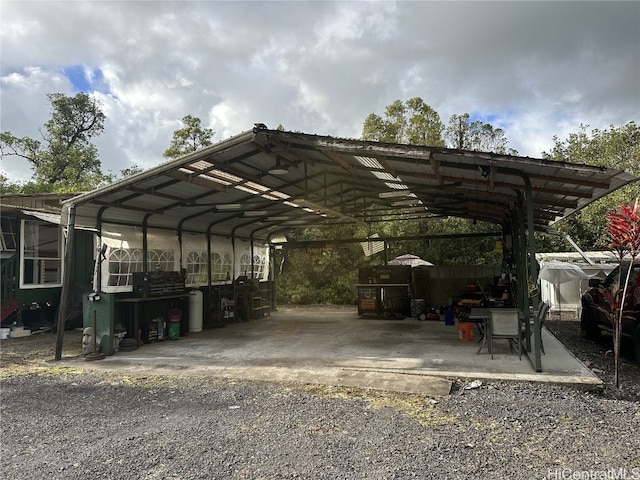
624,239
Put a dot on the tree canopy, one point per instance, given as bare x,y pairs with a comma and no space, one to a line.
416,123
64,159
188,139
463,134
413,122
615,147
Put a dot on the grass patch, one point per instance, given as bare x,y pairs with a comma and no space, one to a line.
147,382
18,370
421,407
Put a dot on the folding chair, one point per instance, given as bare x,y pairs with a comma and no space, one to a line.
540,313
504,323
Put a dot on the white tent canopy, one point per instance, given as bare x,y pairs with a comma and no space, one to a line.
562,283
411,260
561,272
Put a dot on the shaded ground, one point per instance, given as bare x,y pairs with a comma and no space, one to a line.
37,351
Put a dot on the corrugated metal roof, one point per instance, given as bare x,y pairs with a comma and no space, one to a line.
44,202
227,188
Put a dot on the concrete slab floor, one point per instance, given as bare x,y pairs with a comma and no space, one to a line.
340,348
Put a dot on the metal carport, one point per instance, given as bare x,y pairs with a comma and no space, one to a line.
264,182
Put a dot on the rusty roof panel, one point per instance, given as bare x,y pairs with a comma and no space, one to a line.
231,187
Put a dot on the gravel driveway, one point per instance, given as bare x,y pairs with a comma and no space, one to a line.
61,423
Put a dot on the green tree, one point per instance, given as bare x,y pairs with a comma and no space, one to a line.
615,147
461,251
463,134
188,139
128,172
413,122
65,159
7,186
323,274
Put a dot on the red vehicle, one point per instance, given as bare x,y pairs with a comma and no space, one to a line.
599,302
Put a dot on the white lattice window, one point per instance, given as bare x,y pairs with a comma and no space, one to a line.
41,254
245,264
258,266
254,270
122,263
220,266
196,268
161,260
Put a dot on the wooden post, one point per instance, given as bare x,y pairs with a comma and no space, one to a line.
63,308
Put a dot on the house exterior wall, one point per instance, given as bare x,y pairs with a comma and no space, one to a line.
38,305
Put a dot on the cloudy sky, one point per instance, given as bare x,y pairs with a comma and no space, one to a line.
535,69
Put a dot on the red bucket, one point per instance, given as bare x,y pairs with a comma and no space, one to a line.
465,331
175,315
173,327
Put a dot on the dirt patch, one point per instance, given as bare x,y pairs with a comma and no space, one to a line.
24,354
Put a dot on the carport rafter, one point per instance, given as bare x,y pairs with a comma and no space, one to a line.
119,205
545,192
338,180
328,242
492,182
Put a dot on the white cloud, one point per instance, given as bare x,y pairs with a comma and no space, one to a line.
319,67
347,21
229,114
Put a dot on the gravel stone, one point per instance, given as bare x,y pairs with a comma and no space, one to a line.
63,423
